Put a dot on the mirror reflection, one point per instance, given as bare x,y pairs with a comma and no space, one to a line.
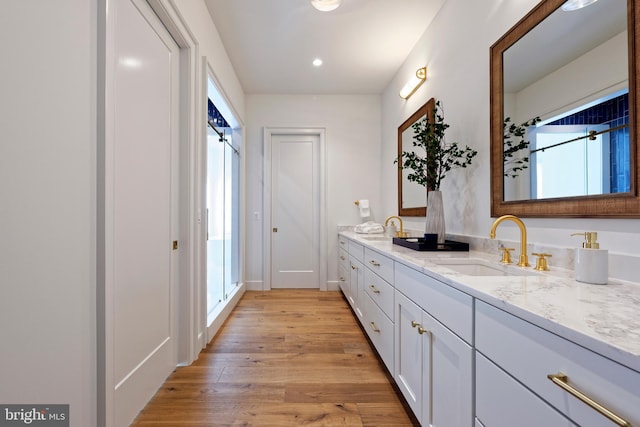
566,106
412,197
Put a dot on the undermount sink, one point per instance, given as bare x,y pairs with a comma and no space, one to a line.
378,238
480,267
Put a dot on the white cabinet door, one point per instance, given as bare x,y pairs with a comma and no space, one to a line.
433,368
409,352
447,383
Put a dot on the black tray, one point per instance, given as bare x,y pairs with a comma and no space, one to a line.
422,245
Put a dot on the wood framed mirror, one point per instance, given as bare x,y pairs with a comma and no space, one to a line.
412,197
522,88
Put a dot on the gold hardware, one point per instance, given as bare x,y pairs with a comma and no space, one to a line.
374,289
275,229
175,245
342,257
506,255
375,329
342,242
414,324
422,330
374,263
353,267
401,232
541,263
562,381
524,260
357,203
590,239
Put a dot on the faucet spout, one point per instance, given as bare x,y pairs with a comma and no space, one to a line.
524,259
399,233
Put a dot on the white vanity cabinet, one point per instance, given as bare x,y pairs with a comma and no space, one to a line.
343,265
433,363
513,363
377,303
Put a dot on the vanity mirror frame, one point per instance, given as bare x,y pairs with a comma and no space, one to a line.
425,111
615,205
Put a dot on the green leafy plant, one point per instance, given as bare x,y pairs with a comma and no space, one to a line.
429,170
515,159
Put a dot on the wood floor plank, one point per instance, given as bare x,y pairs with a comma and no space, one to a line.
283,358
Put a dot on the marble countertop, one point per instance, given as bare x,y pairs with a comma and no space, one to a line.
602,318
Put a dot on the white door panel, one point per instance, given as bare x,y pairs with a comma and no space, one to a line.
295,211
144,207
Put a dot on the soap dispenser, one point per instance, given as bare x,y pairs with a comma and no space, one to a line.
591,263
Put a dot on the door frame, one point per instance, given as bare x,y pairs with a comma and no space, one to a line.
268,134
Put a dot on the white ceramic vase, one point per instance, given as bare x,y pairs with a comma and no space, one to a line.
435,215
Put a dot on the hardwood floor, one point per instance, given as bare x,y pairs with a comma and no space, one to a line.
283,358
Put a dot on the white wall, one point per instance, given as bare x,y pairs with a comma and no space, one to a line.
47,205
455,49
352,124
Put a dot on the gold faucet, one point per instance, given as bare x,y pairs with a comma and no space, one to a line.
524,260
400,233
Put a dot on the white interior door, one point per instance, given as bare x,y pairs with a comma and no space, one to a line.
295,205
145,208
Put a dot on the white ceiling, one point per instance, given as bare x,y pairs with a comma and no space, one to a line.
363,43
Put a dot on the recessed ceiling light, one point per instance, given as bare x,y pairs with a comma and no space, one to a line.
317,62
326,5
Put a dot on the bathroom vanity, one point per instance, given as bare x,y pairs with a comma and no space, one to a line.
471,342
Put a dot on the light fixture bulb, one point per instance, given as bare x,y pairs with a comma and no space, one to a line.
317,62
570,5
415,82
326,5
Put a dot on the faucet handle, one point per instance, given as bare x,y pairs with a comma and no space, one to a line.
541,263
506,254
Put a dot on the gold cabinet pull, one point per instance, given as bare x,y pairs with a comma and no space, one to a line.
374,289
422,330
353,267
374,327
342,257
562,381
414,324
374,263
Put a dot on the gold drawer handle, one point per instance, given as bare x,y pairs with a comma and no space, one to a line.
353,267
422,330
414,324
374,289
342,257
561,380
374,263
375,329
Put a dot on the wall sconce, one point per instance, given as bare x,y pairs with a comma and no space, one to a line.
414,83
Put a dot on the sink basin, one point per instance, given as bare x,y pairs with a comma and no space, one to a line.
480,267
378,238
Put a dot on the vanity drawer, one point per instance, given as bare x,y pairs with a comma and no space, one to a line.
380,292
343,277
382,265
452,308
356,250
380,330
530,353
343,242
502,401
343,258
